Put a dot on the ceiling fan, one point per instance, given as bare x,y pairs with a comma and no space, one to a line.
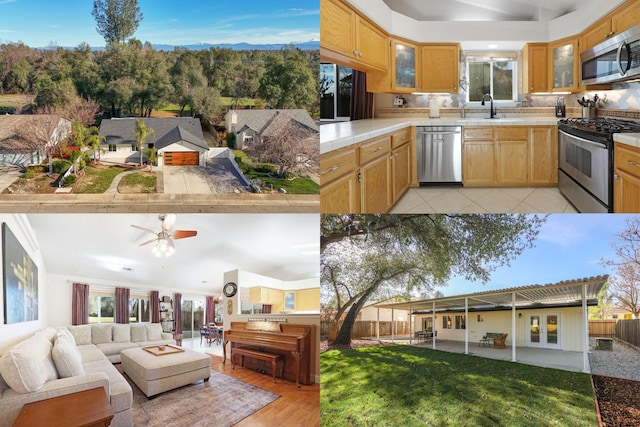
164,245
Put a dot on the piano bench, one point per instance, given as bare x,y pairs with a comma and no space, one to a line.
259,355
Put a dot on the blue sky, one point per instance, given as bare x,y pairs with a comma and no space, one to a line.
37,23
568,247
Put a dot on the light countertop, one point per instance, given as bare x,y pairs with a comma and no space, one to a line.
337,135
626,138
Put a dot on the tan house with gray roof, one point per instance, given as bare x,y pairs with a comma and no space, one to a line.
25,138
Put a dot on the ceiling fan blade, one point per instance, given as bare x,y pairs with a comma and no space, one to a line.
183,234
144,229
168,221
148,241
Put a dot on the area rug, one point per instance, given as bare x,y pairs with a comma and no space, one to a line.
220,402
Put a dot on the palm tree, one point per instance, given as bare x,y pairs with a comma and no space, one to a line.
141,132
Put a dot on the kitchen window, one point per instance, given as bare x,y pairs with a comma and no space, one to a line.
494,75
335,92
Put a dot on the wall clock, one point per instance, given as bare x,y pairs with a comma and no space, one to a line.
230,306
230,289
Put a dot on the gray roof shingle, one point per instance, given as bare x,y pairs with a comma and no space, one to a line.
166,131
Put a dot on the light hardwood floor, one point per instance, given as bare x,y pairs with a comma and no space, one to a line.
293,408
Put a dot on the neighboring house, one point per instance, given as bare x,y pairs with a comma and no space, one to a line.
251,127
179,141
615,313
552,316
25,138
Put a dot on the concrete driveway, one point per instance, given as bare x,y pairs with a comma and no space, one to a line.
8,174
217,177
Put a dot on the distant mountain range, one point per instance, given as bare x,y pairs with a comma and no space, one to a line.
310,45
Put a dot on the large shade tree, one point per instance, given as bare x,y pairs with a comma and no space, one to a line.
366,257
116,20
624,287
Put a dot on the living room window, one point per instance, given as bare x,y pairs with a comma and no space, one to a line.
335,92
102,308
113,148
139,310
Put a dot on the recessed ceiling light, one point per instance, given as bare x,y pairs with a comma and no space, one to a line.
493,46
127,269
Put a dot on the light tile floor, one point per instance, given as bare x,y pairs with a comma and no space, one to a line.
451,199
202,347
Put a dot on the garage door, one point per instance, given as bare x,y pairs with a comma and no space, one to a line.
181,158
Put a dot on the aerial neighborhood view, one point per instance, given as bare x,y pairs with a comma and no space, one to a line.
109,111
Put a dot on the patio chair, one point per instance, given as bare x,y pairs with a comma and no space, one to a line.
499,342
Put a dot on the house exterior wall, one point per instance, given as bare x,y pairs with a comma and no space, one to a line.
571,326
371,314
123,154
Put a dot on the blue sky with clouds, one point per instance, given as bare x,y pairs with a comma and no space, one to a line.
568,247
38,23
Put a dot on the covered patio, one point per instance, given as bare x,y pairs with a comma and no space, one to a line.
508,306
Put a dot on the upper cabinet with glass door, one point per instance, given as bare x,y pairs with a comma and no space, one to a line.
404,57
564,63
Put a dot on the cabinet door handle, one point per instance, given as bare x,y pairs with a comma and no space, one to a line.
378,149
333,169
632,163
616,177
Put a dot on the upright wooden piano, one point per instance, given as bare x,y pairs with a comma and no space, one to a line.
293,342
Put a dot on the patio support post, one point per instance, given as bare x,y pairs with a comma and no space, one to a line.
433,326
378,326
513,326
392,325
585,326
410,327
466,326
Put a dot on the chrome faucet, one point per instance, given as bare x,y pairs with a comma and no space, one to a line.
492,114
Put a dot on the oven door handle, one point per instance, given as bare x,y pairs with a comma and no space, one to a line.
586,141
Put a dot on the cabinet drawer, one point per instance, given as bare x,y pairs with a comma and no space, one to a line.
478,133
335,165
512,133
627,159
400,138
375,148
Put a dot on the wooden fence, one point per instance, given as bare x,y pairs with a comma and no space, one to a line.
629,331
367,329
602,328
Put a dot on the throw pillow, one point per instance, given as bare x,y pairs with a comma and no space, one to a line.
138,332
64,332
67,358
26,367
81,334
121,332
154,331
101,334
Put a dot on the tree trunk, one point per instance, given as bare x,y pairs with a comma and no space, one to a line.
344,334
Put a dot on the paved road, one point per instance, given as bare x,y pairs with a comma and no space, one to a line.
8,174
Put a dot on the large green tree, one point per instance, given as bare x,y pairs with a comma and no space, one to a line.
288,82
116,20
367,257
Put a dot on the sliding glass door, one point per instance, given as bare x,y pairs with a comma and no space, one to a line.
192,317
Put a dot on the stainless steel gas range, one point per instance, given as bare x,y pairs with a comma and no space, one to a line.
585,161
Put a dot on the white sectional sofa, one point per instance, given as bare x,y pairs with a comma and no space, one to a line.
56,362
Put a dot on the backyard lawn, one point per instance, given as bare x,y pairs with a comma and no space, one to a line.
405,386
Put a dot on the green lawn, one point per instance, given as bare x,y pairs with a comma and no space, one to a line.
97,180
410,386
139,182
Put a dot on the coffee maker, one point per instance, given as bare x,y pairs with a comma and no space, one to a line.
561,109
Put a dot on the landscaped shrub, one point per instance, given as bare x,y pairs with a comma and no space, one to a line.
68,180
30,173
265,168
61,165
231,140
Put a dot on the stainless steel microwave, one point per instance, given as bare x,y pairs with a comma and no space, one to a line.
613,60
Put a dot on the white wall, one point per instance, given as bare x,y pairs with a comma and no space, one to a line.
371,314
14,333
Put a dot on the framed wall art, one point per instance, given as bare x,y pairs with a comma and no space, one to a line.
20,280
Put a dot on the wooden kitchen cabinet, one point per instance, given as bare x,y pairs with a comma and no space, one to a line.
622,18
564,65
626,185
543,155
439,68
404,61
400,164
339,187
510,156
307,299
535,74
375,167
350,39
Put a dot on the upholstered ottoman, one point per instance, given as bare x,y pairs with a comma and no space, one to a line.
155,374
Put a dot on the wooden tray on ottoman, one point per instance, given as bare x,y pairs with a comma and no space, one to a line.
168,349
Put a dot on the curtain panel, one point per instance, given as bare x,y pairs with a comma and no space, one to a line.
80,304
155,306
122,305
177,313
210,310
361,100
